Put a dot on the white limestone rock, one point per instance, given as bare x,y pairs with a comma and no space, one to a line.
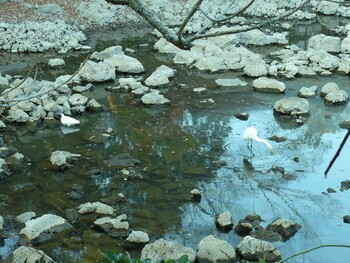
292,106
107,53
212,249
264,84
328,88
126,64
96,208
97,72
327,43
56,62
305,92
160,76
44,227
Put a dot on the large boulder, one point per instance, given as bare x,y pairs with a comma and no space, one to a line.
292,106
107,53
126,64
43,228
328,88
165,250
160,76
327,8
264,84
337,97
212,249
28,254
253,249
327,43
97,72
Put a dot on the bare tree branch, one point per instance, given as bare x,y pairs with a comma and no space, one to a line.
230,16
16,101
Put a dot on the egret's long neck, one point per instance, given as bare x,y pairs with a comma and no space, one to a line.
256,138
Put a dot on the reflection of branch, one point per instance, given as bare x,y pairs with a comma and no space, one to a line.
40,94
230,16
248,28
309,250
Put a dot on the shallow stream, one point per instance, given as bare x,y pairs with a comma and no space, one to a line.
183,146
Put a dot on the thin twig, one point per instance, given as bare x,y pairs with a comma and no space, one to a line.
16,101
309,250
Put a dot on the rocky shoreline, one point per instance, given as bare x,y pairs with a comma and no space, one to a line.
325,55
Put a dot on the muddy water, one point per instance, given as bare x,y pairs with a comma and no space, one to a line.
182,146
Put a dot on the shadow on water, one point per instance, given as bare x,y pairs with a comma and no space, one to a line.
183,146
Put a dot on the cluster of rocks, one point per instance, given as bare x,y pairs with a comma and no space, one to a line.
34,101
41,36
36,230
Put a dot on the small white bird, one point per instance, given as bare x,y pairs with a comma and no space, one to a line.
251,134
66,120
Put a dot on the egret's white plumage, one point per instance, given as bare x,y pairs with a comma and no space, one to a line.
251,134
66,120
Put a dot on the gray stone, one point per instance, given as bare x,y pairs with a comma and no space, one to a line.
154,98
160,76
305,92
126,64
264,84
223,83
212,249
18,115
97,72
328,88
284,227
292,106
256,68
337,97
93,105
95,208
327,43
56,62
327,8
63,159
344,65
3,81
165,250
29,255
224,221
77,100
44,228
1,223
138,238
253,249
115,227
98,11
107,53
4,170
24,217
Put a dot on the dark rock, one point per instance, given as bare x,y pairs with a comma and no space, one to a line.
344,185
121,161
345,124
331,190
247,224
242,116
284,227
266,235
277,138
196,195
346,219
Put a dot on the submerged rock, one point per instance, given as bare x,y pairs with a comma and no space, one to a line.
165,250
212,249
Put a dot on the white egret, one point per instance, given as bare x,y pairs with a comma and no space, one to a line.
251,134
66,120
